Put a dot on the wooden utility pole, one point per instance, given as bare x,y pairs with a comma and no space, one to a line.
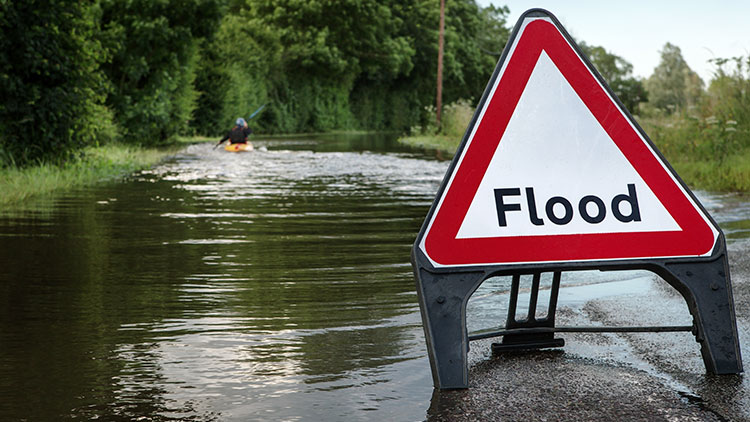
441,37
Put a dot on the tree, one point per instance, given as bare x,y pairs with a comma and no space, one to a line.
472,36
493,31
673,85
325,65
325,48
729,92
51,86
154,49
239,64
617,72
337,40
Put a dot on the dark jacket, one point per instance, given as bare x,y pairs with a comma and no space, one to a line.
238,135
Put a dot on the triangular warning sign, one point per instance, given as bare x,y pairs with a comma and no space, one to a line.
553,169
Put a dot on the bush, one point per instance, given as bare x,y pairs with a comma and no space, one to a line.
456,118
50,81
154,48
708,143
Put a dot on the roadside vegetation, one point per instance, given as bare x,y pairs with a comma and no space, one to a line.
91,165
82,80
705,133
140,74
455,119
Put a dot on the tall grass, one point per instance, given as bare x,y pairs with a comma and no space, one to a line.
93,165
709,144
708,153
455,119
733,175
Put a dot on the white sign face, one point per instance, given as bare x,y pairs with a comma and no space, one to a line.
553,149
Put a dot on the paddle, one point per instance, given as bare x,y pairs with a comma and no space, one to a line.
251,116
256,111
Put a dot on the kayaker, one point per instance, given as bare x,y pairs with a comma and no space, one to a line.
239,133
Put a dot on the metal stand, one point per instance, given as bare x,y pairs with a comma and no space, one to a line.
442,302
707,289
443,295
526,337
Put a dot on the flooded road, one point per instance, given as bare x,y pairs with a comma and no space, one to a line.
272,285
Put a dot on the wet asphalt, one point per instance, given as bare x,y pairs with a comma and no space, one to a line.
610,377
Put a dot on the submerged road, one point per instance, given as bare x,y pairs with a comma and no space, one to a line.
276,286
606,377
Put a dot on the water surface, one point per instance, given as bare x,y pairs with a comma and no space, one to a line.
272,285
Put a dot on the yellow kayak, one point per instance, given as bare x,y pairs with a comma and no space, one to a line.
238,147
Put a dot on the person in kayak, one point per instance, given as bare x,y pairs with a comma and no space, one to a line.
239,133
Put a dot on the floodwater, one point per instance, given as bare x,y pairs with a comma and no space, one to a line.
272,285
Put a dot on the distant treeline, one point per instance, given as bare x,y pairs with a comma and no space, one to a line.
76,73
79,73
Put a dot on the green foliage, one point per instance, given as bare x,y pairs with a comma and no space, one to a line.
673,85
210,86
617,72
455,121
305,106
144,71
395,106
237,68
731,175
728,95
154,47
467,63
327,47
337,40
384,101
684,137
493,31
456,118
341,65
709,143
91,166
707,153
74,74
50,82
473,38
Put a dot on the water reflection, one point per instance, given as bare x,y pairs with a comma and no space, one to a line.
273,285
265,286
731,211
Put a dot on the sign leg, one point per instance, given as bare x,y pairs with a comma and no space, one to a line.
707,288
526,341
443,299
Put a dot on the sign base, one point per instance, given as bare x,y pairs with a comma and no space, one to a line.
704,284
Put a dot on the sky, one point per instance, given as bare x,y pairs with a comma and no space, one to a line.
637,30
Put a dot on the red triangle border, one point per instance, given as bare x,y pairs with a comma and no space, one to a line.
697,237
